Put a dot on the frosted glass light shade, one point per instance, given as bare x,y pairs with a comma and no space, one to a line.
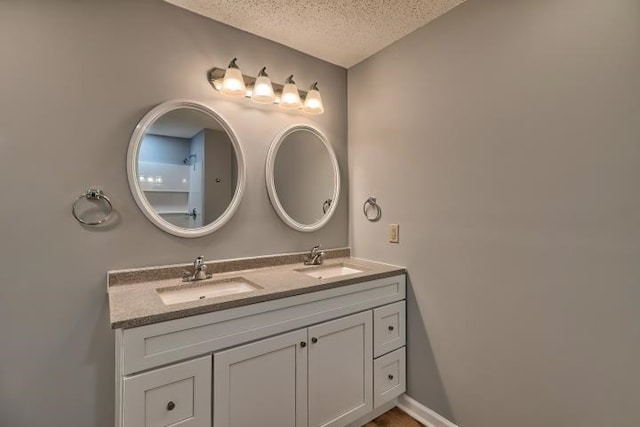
313,101
290,97
233,83
263,91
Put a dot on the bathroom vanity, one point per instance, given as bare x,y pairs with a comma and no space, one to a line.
252,342
287,345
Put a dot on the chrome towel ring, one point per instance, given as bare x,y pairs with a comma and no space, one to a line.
371,202
93,194
326,205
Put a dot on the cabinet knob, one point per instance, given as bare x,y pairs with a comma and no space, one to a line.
314,340
170,406
303,344
390,376
391,328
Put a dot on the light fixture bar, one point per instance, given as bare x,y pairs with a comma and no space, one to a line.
216,75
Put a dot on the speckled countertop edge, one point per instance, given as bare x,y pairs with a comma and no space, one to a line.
147,274
138,304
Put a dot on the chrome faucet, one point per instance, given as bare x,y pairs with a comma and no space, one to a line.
199,271
315,257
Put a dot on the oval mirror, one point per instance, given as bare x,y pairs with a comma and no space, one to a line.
303,178
186,168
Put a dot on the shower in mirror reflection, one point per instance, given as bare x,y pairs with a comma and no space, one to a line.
191,160
194,157
186,168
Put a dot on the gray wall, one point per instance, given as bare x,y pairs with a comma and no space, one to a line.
303,177
507,146
75,79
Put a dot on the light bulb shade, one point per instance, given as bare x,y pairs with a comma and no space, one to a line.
313,102
263,91
233,83
290,97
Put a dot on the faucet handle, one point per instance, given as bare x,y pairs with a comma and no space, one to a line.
198,261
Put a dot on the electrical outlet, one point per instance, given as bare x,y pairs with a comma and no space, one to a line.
394,233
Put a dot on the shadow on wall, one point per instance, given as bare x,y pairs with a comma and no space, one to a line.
104,384
424,374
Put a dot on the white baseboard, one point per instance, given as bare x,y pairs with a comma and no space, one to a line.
422,414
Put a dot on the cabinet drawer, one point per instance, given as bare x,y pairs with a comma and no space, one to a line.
389,328
389,377
176,395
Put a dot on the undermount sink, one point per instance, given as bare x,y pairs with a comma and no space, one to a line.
329,271
205,290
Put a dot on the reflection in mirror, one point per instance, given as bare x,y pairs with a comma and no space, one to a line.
303,178
186,168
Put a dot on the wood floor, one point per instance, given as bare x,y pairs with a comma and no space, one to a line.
394,418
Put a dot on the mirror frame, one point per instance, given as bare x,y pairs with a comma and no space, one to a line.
132,169
270,178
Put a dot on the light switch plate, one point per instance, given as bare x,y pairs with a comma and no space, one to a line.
394,233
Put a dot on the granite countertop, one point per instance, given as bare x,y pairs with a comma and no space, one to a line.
134,300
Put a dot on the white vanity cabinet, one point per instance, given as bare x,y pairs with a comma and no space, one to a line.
389,339
340,376
263,381
327,358
319,376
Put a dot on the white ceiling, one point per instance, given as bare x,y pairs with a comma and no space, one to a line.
340,32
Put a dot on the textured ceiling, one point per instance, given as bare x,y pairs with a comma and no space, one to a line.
340,32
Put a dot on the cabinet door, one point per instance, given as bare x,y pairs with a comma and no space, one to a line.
178,395
340,370
262,384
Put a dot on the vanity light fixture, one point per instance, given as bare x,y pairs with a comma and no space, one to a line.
232,82
313,101
290,98
262,92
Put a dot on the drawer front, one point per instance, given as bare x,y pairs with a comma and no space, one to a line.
389,328
178,395
389,377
